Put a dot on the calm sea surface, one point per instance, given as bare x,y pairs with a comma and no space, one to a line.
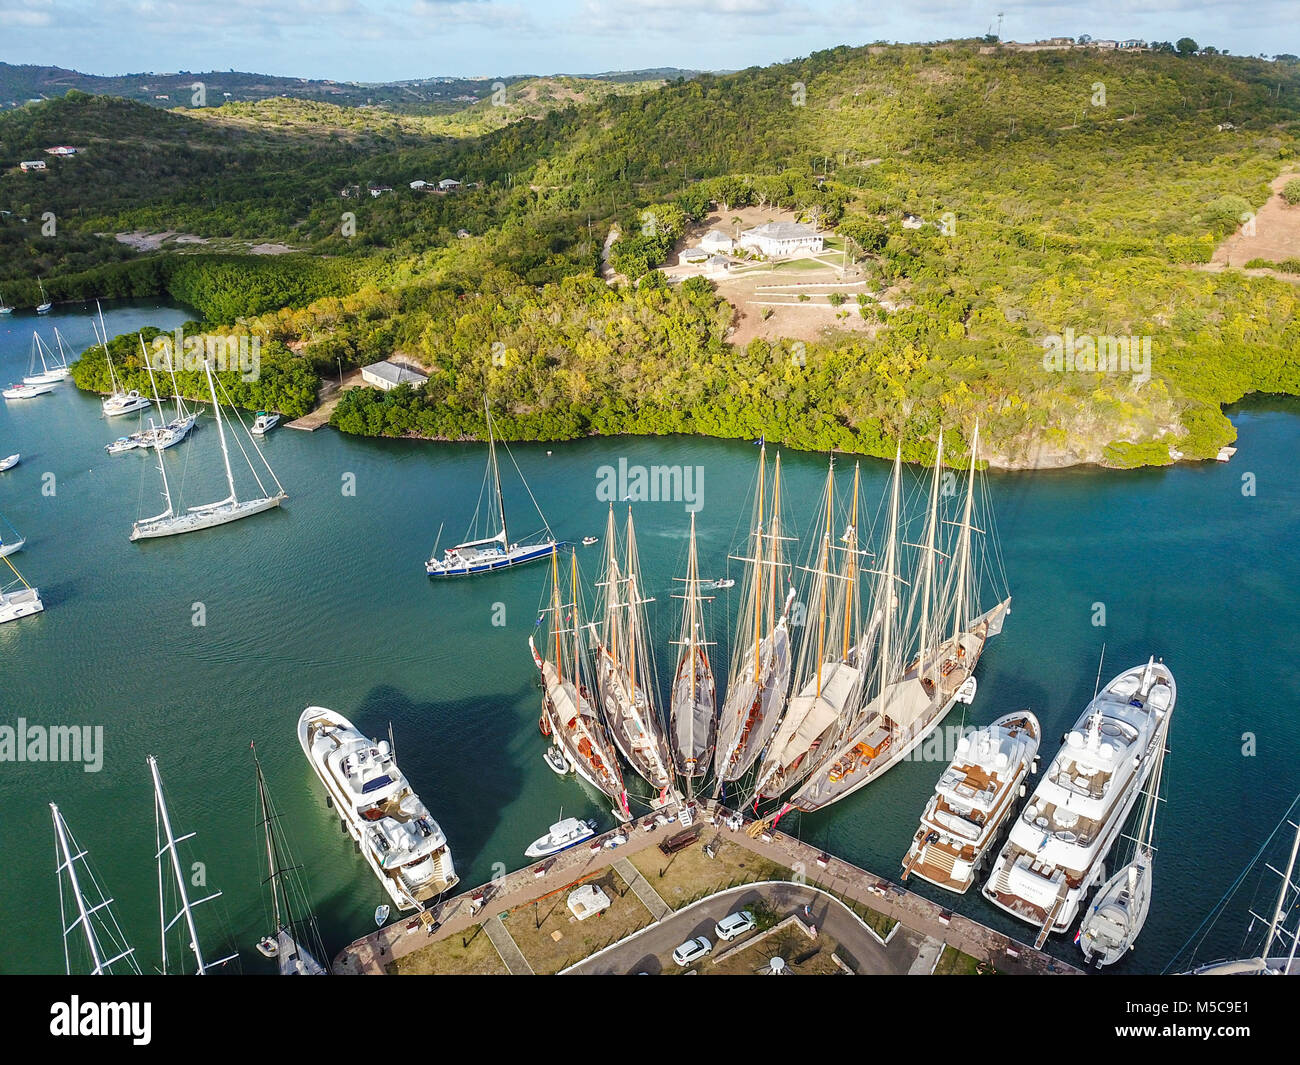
326,602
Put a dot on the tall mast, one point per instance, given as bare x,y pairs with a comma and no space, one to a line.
496,475
963,548
850,567
103,329
1279,912
692,604
927,573
633,629
577,651
163,827
611,587
221,432
157,440
891,570
270,846
68,861
774,542
555,612
181,412
758,567
822,571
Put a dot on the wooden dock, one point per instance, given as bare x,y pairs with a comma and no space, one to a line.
371,954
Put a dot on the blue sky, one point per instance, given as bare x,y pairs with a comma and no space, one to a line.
383,40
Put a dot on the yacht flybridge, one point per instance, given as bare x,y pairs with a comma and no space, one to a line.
971,802
1056,851
399,839
923,661
496,551
171,522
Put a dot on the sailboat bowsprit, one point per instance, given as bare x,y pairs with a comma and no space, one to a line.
496,551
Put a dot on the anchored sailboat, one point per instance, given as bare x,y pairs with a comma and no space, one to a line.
12,542
165,433
44,306
569,715
758,684
625,673
94,919
926,665
231,508
119,401
831,670
51,372
692,716
492,552
23,601
296,942
179,880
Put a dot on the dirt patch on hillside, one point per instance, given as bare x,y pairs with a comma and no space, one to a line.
1276,234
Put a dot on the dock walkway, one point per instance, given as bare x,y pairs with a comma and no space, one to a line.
511,956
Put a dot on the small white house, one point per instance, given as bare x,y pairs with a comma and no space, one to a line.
587,901
717,264
32,164
693,257
378,190
387,375
419,185
448,184
61,149
775,239
716,241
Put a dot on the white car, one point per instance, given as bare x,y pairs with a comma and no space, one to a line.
734,924
692,951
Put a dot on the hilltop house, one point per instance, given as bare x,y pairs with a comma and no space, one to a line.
693,256
417,185
378,190
781,238
387,375
32,164
448,185
717,264
62,149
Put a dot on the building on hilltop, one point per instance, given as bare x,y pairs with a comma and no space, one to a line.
782,238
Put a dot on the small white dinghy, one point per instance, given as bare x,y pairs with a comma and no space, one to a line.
25,391
10,462
563,835
557,761
381,914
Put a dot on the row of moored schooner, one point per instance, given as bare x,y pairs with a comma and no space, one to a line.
824,693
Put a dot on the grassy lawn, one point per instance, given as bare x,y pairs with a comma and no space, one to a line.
452,956
691,874
953,962
577,939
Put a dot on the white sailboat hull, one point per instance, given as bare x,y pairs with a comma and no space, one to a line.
20,604
192,521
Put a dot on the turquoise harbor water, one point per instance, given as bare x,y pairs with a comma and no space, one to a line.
326,602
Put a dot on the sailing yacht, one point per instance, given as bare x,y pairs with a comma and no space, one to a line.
44,306
50,374
493,552
296,935
119,401
232,508
569,715
94,918
4,307
1057,847
972,800
164,434
758,683
22,602
11,544
399,839
625,673
908,695
1265,963
179,880
1113,920
692,714
831,670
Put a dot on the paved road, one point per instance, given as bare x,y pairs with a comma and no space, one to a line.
650,951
